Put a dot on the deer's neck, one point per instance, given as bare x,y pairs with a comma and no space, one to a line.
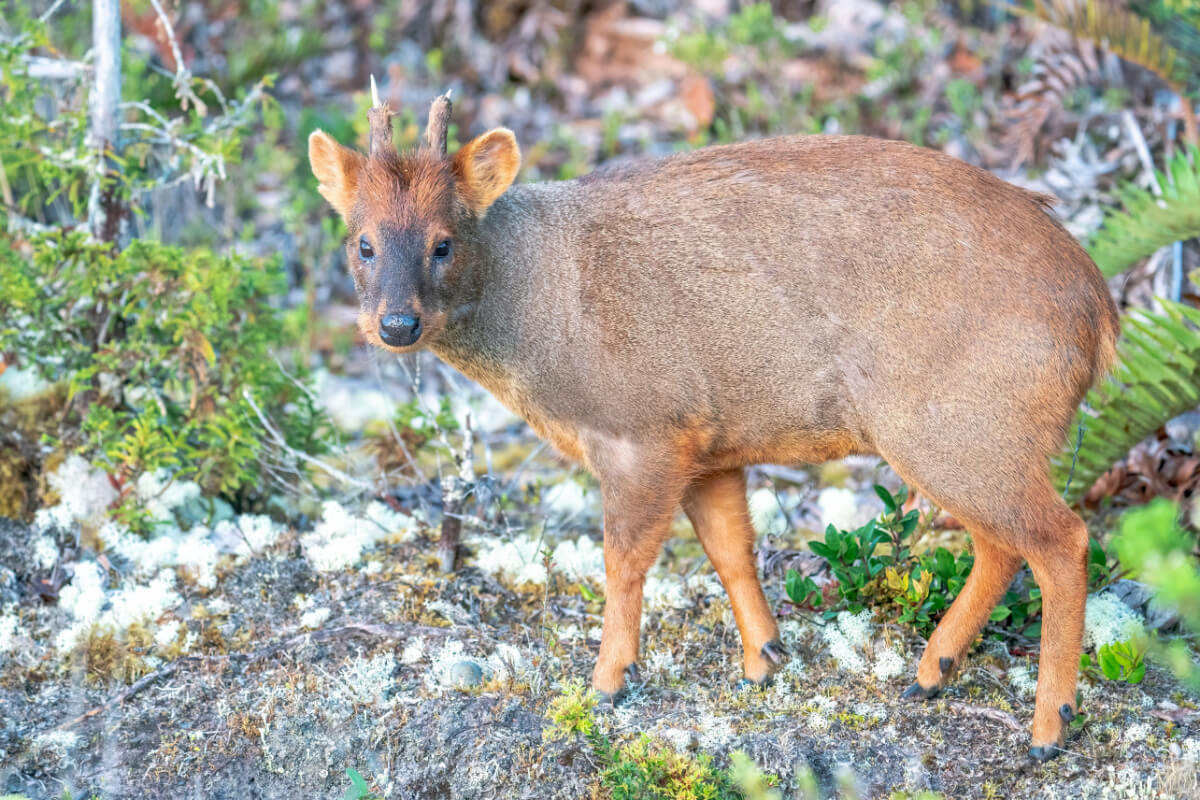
519,317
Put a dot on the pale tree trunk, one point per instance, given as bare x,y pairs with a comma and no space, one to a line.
105,214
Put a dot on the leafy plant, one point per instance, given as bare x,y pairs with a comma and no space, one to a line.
1154,547
1157,377
1123,662
919,587
1148,220
359,790
1119,29
644,769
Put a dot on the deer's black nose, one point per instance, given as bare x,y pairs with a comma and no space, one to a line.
399,330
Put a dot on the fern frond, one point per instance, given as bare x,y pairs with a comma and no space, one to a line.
1118,30
1157,378
1147,222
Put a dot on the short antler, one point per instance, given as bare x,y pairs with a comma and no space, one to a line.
380,117
439,124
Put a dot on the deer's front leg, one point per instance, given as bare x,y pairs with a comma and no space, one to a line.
640,498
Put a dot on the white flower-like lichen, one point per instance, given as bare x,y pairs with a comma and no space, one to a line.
507,663
1022,679
888,664
159,495
85,596
1108,620
54,744
517,560
8,630
442,664
845,636
414,651
340,538
715,732
363,681
167,633
314,618
84,495
580,560
845,510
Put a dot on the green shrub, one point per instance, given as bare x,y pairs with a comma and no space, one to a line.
1152,545
918,587
157,347
645,769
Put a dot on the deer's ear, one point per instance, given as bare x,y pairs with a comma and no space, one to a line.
337,169
485,167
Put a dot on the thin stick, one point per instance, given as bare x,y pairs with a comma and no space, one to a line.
994,714
333,472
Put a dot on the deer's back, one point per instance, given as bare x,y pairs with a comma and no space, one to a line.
797,291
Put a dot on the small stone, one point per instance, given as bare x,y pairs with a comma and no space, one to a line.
465,674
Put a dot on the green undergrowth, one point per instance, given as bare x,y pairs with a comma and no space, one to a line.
876,566
647,769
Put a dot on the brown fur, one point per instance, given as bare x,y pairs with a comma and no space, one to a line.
794,299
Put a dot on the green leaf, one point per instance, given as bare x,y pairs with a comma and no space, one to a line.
889,502
358,786
1147,222
1150,385
1000,613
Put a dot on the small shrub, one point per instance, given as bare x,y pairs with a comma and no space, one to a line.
645,769
919,588
158,348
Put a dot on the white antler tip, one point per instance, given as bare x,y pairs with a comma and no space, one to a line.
374,93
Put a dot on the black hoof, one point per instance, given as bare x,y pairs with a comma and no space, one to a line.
745,683
1043,754
1067,713
633,674
606,701
946,663
774,652
919,692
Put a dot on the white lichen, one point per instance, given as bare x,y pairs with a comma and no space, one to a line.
1023,680
159,495
45,550
340,538
414,651
888,664
84,495
846,510
580,560
507,663
715,732
442,664
8,630
565,499
314,618
765,514
1108,620
56,745
167,633
363,681
845,636
517,560
661,662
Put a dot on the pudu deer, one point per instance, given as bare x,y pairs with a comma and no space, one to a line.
798,299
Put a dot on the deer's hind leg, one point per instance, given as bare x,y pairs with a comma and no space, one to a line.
1010,524
716,505
993,571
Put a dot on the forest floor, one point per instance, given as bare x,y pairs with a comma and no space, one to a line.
294,661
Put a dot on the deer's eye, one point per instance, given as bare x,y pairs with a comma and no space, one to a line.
365,251
442,250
